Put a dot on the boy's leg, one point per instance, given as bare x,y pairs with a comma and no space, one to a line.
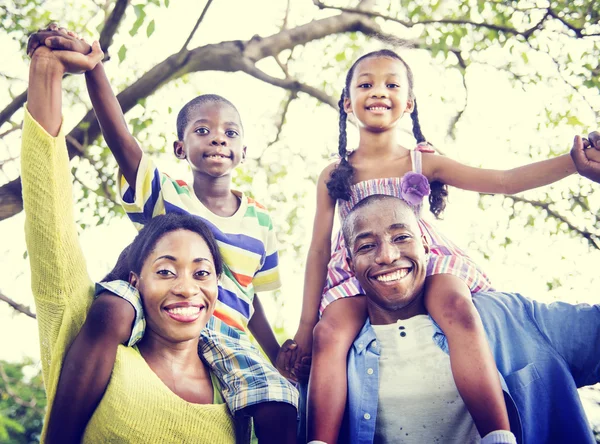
328,385
274,422
449,302
250,384
87,367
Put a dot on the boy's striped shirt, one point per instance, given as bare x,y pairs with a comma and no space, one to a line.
246,239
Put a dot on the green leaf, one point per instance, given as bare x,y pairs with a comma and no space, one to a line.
150,29
340,57
122,53
167,2
141,15
524,57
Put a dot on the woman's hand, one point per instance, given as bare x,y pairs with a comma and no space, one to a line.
74,54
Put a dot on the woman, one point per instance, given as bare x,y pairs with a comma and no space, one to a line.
160,391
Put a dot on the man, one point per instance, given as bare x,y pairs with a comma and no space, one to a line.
399,378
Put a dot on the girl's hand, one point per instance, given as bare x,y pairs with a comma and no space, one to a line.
302,358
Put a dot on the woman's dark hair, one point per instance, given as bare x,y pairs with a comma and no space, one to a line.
133,256
341,177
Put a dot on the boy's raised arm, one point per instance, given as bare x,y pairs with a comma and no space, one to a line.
108,111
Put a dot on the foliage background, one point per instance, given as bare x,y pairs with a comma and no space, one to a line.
499,83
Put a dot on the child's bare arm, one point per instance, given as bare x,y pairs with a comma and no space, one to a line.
491,181
87,367
108,111
119,139
261,329
316,266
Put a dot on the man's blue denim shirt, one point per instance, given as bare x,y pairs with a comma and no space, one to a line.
543,354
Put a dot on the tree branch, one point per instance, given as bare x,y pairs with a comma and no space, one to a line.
18,307
31,404
409,24
289,84
12,107
592,238
184,47
111,25
106,36
7,132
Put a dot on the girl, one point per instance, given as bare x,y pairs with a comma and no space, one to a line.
378,93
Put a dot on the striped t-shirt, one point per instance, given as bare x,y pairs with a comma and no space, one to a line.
246,239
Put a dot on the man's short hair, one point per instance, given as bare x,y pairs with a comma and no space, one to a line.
370,200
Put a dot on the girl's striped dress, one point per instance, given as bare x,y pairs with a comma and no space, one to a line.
445,258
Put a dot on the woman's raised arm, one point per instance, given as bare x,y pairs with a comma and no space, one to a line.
58,272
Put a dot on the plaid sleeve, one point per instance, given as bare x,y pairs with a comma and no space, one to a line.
128,292
267,277
146,200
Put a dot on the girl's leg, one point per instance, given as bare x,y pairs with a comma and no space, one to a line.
87,367
448,300
327,389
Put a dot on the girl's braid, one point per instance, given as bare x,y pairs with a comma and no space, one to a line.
341,177
439,191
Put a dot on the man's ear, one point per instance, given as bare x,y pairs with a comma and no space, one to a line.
349,259
179,149
425,245
134,279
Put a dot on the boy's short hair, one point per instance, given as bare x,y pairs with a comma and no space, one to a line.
183,117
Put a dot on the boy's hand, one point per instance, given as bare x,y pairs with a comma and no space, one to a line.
302,356
284,361
586,156
56,37
73,53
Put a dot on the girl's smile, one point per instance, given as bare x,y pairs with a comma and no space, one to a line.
378,93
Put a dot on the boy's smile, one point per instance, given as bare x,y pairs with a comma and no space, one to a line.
213,140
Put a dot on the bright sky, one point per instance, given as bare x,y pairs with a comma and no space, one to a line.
500,125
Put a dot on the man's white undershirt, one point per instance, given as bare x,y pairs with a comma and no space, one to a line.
418,399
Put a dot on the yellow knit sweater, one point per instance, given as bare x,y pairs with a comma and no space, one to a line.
137,406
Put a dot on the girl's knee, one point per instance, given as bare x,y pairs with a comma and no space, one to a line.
328,335
456,310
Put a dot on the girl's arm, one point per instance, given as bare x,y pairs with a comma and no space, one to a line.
319,254
510,181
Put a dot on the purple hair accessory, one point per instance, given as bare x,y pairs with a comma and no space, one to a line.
414,187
